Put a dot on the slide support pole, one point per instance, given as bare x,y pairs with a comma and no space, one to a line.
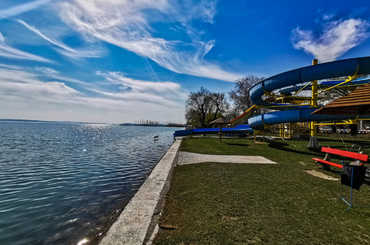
313,143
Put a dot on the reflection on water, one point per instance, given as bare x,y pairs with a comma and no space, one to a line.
63,182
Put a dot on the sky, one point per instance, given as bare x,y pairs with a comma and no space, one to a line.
117,61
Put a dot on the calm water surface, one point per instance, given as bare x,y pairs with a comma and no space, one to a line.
63,182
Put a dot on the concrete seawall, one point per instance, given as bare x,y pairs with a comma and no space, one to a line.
138,220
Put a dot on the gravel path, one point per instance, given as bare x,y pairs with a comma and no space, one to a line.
191,158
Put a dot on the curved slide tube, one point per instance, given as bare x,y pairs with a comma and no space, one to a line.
288,116
341,68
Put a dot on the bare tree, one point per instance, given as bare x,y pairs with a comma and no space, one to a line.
240,93
220,104
198,106
204,106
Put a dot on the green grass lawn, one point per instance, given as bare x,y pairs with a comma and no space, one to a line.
261,204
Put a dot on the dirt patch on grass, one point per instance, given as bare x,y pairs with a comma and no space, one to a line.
321,175
302,163
229,218
260,143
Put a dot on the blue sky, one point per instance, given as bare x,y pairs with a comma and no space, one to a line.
125,60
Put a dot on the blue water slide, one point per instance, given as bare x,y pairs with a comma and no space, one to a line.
340,68
236,130
303,115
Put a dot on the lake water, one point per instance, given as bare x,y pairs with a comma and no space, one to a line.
63,182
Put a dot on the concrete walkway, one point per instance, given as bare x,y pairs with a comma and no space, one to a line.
191,158
138,221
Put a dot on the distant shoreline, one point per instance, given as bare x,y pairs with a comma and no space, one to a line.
118,124
153,125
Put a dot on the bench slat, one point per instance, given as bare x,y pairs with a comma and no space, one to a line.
349,154
328,163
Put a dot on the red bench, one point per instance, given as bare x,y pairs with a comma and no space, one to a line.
359,157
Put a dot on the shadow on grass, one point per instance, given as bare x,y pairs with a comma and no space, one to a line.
282,148
237,144
334,171
363,143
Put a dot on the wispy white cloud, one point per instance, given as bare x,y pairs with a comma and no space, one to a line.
46,70
328,16
336,39
64,49
11,67
19,9
126,24
166,92
208,10
23,94
9,52
186,11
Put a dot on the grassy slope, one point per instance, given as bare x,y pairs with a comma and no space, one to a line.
248,204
